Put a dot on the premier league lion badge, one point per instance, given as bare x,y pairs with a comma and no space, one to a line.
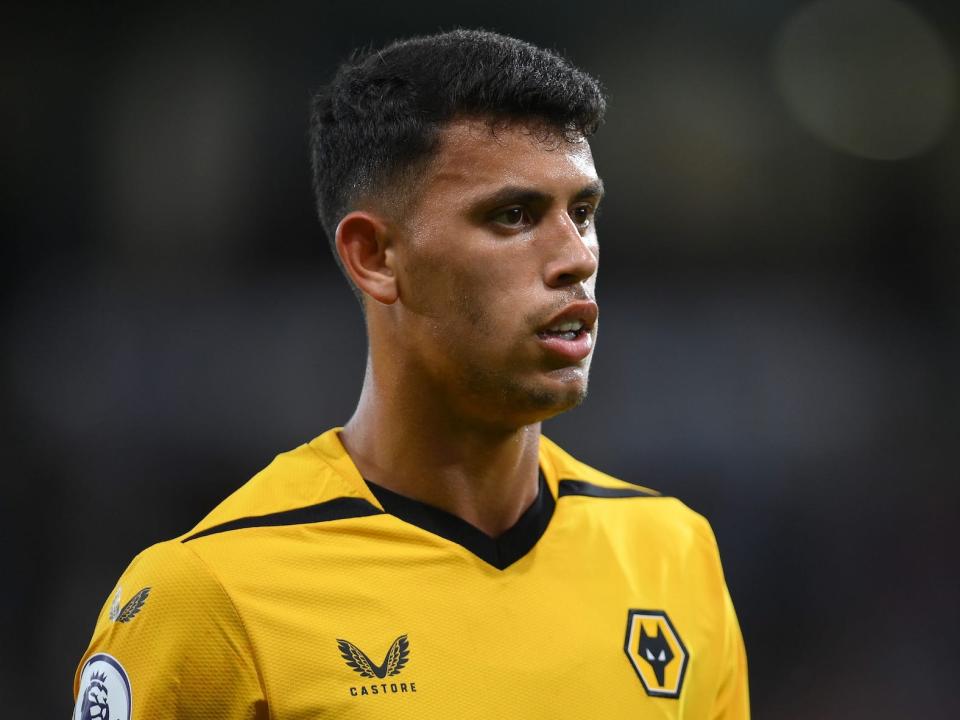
104,690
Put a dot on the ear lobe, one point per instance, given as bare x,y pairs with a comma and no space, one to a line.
363,246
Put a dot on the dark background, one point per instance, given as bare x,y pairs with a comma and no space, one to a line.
779,291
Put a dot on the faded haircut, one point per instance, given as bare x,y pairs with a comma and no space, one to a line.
381,116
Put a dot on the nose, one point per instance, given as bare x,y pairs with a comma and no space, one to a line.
573,257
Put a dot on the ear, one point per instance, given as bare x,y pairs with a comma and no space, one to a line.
363,244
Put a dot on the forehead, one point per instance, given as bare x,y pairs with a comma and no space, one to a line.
476,156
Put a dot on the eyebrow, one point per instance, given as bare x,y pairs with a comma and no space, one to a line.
519,195
591,190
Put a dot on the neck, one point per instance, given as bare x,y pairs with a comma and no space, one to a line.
402,441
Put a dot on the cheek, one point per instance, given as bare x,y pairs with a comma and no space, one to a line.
470,301
461,285
491,296
441,307
448,288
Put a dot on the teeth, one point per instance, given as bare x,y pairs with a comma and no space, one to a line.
574,326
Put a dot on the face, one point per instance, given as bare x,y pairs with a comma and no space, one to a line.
496,264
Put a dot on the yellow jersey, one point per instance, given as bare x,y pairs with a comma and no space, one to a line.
311,593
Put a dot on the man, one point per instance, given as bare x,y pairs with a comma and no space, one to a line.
436,557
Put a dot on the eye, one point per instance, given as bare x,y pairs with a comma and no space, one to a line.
513,217
582,215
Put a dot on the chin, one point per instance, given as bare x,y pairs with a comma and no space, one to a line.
524,401
558,401
544,400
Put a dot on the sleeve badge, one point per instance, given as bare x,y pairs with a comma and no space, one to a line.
105,692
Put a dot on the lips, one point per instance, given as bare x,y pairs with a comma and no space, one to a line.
569,333
581,315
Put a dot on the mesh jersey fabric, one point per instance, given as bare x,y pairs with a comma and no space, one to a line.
300,596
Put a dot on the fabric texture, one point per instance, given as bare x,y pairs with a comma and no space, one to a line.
299,596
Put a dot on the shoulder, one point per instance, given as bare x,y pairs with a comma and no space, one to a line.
155,585
564,466
169,633
311,475
173,579
653,514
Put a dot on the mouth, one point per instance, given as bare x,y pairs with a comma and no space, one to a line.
564,331
569,334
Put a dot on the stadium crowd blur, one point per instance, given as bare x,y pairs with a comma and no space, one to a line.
778,289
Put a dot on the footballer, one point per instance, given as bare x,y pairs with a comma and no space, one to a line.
437,557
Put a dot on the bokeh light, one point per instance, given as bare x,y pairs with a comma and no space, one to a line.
869,77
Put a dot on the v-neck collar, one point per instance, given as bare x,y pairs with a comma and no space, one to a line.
500,552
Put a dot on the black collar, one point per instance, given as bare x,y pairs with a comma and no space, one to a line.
501,552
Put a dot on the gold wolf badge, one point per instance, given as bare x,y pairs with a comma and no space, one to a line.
656,652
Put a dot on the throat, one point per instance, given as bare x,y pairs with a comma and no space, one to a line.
487,485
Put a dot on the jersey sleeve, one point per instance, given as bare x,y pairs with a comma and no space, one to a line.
729,695
733,696
169,643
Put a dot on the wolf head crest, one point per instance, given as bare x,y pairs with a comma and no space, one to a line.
655,650
657,653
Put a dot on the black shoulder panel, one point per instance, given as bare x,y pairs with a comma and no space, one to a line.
580,487
336,509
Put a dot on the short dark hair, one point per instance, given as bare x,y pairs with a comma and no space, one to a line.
382,113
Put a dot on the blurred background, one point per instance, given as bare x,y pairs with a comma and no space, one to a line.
779,291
